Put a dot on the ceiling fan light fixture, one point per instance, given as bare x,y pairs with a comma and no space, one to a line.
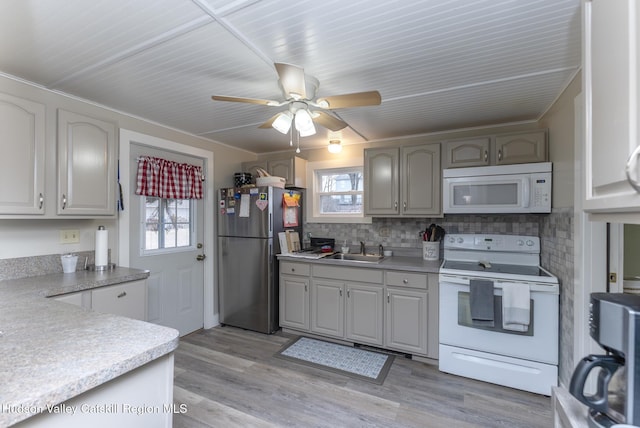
304,123
283,122
323,103
335,146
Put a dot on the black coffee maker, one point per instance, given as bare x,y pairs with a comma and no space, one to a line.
615,324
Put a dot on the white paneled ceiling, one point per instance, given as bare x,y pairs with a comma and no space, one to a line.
438,64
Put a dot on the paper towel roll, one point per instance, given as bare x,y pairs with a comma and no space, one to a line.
102,246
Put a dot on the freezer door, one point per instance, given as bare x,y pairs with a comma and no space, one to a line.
247,212
246,283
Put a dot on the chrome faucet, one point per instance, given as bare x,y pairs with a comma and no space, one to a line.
380,250
362,249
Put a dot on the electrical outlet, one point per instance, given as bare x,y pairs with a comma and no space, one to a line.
69,236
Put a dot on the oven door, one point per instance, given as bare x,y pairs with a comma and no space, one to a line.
539,344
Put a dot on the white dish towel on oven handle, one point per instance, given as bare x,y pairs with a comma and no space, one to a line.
515,306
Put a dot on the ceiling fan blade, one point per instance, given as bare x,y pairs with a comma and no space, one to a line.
330,122
269,122
358,99
246,100
292,80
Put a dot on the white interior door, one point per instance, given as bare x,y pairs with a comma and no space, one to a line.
166,237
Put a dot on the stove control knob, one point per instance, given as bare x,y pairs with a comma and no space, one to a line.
460,240
452,239
520,242
529,243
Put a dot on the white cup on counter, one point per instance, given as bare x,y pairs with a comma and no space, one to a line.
69,262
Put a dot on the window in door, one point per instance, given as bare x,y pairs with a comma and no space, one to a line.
168,224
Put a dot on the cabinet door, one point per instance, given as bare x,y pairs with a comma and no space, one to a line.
381,181
327,307
611,76
521,148
364,314
252,167
294,302
86,165
421,180
406,321
71,298
283,168
128,299
22,164
463,153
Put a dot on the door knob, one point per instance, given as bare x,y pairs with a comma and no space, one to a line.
200,257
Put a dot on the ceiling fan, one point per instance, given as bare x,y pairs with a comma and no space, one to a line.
300,92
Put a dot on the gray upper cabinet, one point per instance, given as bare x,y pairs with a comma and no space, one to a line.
467,152
292,168
503,149
523,147
86,165
403,181
381,181
22,164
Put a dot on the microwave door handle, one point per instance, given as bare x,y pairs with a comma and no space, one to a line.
526,191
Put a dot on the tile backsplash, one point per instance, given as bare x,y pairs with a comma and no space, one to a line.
404,233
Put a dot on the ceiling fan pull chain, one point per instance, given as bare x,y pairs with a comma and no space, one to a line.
298,136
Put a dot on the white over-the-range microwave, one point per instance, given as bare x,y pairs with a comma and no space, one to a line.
519,188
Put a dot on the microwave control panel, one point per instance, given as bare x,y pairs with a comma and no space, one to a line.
541,191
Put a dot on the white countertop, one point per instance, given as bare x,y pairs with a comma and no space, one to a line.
52,351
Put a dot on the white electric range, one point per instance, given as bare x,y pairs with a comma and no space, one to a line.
526,359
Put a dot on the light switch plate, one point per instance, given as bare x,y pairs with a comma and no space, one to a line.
69,236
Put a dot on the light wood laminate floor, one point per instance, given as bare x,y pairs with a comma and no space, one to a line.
228,377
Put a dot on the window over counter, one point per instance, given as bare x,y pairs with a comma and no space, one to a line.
336,192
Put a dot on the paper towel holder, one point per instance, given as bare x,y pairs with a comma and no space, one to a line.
101,267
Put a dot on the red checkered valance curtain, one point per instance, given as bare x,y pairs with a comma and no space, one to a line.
168,179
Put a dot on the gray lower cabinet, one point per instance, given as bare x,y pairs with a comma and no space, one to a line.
128,299
294,295
392,309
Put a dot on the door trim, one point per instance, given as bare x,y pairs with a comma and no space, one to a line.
128,137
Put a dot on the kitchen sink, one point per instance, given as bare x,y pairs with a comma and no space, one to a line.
367,258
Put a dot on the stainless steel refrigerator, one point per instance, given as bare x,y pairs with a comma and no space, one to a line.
249,220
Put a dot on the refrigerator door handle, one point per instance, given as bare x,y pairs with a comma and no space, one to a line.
270,223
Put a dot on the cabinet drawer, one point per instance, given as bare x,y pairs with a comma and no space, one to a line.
405,279
291,268
128,299
348,273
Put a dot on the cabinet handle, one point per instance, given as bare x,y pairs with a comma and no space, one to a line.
405,281
631,166
388,297
486,155
348,293
124,293
341,292
40,201
293,269
499,154
305,288
404,205
64,201
395,205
